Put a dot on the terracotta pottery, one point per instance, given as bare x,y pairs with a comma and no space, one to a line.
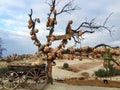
33,37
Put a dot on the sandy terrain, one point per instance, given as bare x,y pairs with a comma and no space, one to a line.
76,68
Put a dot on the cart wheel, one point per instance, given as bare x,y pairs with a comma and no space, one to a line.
23,81
36,79
10,80
1,84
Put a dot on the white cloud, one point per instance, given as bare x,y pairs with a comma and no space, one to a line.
13,3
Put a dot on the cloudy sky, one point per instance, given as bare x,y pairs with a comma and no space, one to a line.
14,17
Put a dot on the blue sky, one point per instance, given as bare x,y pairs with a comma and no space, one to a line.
14,16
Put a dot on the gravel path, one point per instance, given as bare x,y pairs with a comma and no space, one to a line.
63,86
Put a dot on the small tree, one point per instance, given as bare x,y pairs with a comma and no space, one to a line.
1,48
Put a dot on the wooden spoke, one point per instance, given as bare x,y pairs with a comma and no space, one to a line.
35,80
10,80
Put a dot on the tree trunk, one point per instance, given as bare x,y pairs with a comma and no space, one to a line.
49,71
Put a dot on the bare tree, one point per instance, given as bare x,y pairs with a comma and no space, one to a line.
49,52
1,48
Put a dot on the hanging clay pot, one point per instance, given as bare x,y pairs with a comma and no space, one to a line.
70,21
36,43
51,22
49,56
33,37
98,55
30,26
46,49
95,51
36,30
31,32
52,38
51,9
38,20
80,33
54,11
55,21
30,22
103,49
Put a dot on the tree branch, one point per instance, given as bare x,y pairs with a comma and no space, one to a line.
99,45
92,26
68,8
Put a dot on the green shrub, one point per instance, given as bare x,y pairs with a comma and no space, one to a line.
104,73
117,72
65,65
3,70
101,73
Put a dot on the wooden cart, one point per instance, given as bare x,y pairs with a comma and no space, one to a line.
34,77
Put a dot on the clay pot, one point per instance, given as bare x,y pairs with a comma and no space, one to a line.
46,49
51,9
52,38
98,55
51,22
30,26
49,56
103,49
55,21
31,32
47,24
70,21
38,20
77,53
95,51
36,30
54,11
117,52
48,19
72,50
59,53
72,57
37,43
80,33
29,21
33,37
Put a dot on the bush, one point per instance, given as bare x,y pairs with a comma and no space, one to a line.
101,73
3,70
117,72
104,73
65,65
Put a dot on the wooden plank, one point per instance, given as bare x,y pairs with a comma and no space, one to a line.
61,37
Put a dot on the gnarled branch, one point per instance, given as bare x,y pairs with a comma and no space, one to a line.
68,8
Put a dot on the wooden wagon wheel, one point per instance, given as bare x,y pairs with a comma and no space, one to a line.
10,80
36,79
23,81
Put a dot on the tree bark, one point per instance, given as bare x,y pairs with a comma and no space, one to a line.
49,71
